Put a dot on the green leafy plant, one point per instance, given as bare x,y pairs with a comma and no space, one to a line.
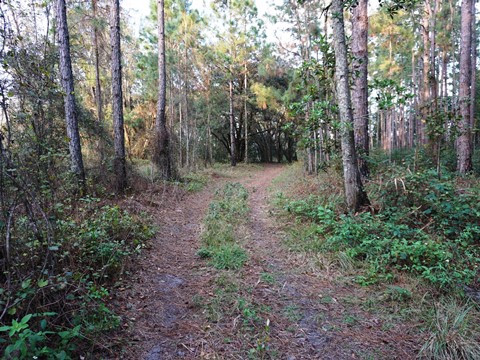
26,343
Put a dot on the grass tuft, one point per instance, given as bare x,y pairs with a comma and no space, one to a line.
219,239
453,335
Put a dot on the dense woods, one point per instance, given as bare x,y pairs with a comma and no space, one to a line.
94,109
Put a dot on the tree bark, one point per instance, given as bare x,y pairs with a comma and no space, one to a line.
162,156
233,158
98,86
464,140
354,193
360,83
69,96
425,94
119,167
473,73
245,100
233,155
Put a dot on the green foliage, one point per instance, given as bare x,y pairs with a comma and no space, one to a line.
89,247
195,182
427,226
26,343
104,240
397,293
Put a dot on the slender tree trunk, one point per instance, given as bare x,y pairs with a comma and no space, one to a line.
98,86
245,100
180,135
119,167
233,158
233,155
162,156
354,193
360,83
185,94
464,140
433,59
414,118
473,74
425,93
69,93
444,74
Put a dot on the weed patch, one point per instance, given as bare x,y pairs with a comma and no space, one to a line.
219,239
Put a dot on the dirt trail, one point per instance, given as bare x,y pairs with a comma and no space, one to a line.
157,306
307,319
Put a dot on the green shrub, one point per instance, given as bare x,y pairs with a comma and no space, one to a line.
426,226
23,342
85,251
103,240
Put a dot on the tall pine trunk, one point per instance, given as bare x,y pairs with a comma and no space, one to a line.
233,155
473,76
360,83
245,100
425,94
354,193
69,96
464,140
119,167
162,157
98,86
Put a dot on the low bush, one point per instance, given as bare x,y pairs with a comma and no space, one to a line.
55,291
425,225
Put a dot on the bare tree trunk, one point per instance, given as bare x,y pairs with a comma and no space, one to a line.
433,60
354,193
233,158
233,155
119,167
245,89
360,83
162,156
473,74
414,117
425,95
464,140
98,86
185,94
69,97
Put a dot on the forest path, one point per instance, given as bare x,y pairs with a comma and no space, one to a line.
274,307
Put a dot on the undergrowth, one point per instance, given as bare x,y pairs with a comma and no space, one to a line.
55,291
424,225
